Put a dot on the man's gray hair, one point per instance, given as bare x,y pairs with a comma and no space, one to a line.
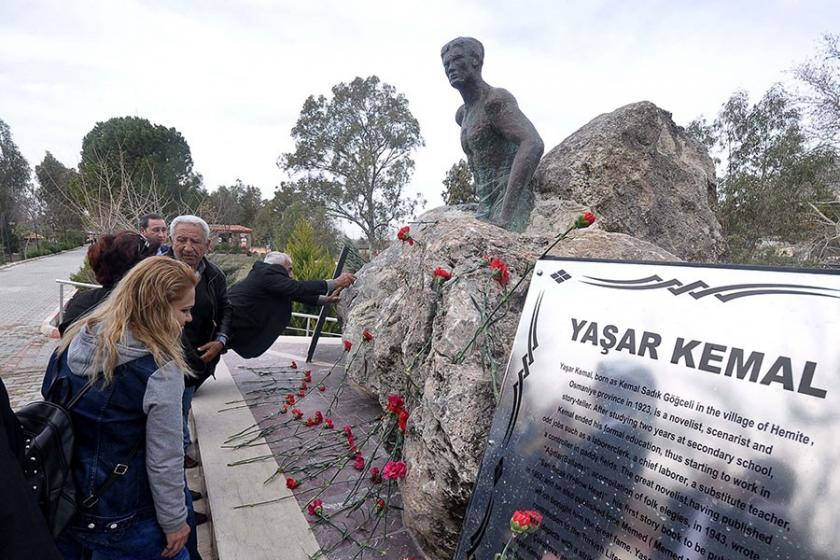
276,257
190,219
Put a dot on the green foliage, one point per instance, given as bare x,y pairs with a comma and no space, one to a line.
236,204
153,157
276,220
354,154
55,182
458,185
236,267
14,185
771,175
310,262
821,99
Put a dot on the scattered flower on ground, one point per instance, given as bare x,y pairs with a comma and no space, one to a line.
316,507
322,388
347,345
395,404
294,365
291,483
403,419
367,336
394,470
375,475
328,423
380,505
358,462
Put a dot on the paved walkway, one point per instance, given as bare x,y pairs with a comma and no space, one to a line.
28,294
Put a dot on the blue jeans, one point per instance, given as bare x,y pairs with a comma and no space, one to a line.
186,404
142,540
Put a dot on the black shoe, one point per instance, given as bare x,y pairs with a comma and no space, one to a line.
195,495
189,462
200,518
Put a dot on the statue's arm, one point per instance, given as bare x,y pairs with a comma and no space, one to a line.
459,115
515,127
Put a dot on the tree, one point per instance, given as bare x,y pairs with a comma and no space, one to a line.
14,188
55,180
236,204
148,155
277,217
770,175
821,100
353,152
311,261
458,185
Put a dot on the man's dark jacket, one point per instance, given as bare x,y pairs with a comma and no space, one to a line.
211,316
262,306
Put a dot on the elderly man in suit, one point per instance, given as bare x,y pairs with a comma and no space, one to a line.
262,302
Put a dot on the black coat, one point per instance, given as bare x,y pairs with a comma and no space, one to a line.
262,306
211,316
23,529
82,302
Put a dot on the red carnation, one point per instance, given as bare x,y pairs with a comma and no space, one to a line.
347,345
358,462
316,507
380,505
403,419
395,404
500,271
294,364
297,413
441,275
585,220
328,423
394,470
367,336
291,483
322,388
290,399
284,409
404,235
302,393
304,386
308,376
525,521
375,475
348,431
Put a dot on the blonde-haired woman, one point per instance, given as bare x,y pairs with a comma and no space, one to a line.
127,361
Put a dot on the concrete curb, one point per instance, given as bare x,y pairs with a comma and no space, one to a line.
275,531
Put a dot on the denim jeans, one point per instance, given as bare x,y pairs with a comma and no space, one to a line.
186,403
142,540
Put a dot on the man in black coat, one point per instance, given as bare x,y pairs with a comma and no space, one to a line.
262,302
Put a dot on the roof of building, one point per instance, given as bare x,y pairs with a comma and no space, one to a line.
222,228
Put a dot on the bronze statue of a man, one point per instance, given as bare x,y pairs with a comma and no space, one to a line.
503,148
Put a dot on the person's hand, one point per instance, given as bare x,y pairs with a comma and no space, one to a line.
210,351
335,297
176,541
344,279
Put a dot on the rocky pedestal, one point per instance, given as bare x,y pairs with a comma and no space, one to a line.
642,175
420,327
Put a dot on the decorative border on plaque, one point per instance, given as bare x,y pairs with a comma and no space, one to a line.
699,289
522,374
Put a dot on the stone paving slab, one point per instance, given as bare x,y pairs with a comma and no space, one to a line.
28,294
389,539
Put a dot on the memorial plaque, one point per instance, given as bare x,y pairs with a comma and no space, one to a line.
668,412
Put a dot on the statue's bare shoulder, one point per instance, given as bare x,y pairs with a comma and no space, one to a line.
459,115
499,100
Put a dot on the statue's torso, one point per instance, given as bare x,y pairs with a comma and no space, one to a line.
490,156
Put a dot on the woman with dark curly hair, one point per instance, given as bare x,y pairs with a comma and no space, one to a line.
111,257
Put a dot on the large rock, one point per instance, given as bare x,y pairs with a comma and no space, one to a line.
642,175
421,328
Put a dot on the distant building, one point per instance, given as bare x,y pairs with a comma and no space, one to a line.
233,235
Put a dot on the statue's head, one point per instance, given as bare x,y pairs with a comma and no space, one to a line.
462,60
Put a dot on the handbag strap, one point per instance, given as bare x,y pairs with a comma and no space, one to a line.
119,470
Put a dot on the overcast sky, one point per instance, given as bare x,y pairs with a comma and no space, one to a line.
232,76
